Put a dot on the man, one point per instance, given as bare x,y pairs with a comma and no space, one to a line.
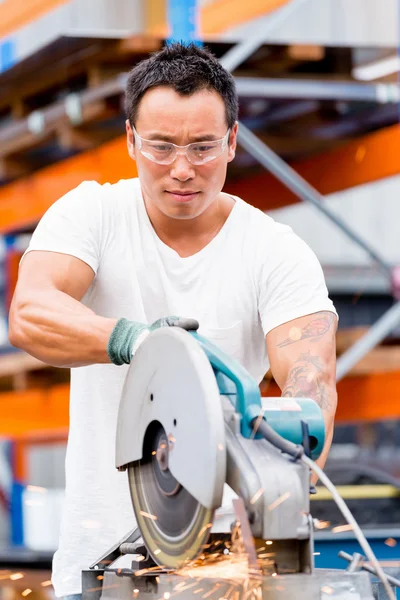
107,261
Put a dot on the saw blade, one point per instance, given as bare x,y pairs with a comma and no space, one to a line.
173,524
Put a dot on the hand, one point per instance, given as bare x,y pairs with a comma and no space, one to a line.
127,336
184,323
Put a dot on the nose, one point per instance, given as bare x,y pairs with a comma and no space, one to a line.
181,168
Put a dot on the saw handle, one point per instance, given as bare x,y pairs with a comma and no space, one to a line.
248,397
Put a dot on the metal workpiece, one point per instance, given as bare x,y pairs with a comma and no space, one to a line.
322,585
114,552
357,562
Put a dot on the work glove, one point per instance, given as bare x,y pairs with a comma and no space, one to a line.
127,336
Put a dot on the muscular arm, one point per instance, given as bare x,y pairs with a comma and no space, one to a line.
47,319
302,355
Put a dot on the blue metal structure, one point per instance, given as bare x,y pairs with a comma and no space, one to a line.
183,21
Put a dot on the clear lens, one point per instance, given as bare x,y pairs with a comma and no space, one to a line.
198,153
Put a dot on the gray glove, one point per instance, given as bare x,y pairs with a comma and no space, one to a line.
127,336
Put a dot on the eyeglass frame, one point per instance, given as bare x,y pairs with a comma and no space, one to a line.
224,144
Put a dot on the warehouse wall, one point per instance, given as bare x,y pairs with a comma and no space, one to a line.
373,211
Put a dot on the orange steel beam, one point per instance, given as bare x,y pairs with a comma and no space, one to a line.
17,13
364,160
35,412
42,416
369,398
221,15
216,16
23,202
31,417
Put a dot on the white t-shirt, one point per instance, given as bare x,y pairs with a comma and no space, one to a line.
253,276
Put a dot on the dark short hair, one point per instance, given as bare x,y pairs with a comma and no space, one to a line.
187,69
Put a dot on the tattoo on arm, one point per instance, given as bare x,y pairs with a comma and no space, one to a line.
305,380
316,328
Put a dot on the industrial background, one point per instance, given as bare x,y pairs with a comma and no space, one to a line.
319,150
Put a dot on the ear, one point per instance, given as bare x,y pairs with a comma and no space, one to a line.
232,142
130,140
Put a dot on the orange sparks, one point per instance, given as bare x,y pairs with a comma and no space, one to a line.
35,488
327,590
180,586
269,543
46,583
214,589
202,530
100,577
257,424
26,592
229,592
149,570
321,524
16,576
257,495
279,501
391,542
154,453
187,587
342,528
148,515
135,593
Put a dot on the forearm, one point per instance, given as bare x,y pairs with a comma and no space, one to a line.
325,395
59,330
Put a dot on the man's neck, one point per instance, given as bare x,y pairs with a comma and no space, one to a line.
189,236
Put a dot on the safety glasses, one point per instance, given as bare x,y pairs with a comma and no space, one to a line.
197,153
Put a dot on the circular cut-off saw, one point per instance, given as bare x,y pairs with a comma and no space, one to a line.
187,425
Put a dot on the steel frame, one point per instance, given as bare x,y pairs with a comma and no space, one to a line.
291,179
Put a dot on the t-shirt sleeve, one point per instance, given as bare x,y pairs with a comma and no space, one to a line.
72,225
292,282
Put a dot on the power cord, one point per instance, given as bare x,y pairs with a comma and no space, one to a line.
362,540
297,453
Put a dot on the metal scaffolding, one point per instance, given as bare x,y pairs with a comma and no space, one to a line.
293,181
